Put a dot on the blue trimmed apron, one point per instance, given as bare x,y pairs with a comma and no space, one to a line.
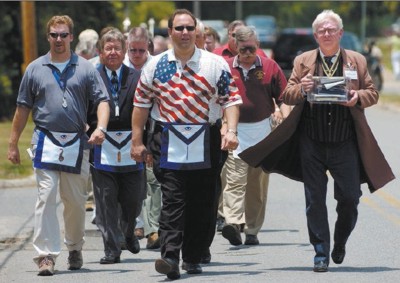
59,151
114,155
185,146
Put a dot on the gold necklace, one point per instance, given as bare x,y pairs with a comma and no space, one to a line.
332,70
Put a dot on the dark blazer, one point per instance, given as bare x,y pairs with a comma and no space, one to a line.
129,81
279,151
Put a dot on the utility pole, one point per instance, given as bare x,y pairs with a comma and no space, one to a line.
363,20
238,10
197,9
29,43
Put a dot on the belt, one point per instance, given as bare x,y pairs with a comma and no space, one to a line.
217,123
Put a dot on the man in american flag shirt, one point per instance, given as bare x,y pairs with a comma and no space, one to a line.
189,88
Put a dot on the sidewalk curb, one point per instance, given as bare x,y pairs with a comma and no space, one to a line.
18,183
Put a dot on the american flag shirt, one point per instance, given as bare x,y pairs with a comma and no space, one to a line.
195,93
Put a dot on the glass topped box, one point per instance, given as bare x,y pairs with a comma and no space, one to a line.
329,90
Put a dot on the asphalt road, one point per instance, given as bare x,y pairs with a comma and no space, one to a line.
284,254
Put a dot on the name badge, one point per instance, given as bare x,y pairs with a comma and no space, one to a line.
350,74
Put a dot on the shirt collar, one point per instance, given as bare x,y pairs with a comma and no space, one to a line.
236,64
118,71
334,56
192,61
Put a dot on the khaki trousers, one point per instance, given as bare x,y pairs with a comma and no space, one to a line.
244,194
73,193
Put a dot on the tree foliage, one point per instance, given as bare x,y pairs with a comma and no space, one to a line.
140,12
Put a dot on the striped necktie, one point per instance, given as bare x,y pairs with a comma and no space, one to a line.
114,81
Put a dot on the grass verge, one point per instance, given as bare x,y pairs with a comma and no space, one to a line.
7,169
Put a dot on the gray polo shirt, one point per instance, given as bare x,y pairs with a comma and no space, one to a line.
43,89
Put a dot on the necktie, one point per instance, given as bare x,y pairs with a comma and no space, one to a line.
114,81
328,60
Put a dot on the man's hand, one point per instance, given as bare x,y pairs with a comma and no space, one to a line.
307,83
13,154
353,100
97,137
138,152
229,141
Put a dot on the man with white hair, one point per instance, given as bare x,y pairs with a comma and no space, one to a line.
86,46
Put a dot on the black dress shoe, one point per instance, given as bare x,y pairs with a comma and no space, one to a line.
192,268
320,266
109,259
168,267
132,245
251,240
232,233
206,257
338,253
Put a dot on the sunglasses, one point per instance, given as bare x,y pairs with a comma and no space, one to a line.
244,49
188,28
233,35
56,35
134,50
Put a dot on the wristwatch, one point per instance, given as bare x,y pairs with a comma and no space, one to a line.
104,130
232,131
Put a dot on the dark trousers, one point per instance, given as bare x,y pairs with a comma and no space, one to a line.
342,161
119,198
188,200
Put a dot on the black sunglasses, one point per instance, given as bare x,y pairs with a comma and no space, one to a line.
56,35
134,50
244,49
188,28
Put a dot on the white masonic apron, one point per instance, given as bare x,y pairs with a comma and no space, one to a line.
114,154
59,151
185,146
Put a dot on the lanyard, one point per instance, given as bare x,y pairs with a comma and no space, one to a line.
62,82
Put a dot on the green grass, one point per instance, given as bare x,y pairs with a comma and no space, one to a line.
392,99
7,169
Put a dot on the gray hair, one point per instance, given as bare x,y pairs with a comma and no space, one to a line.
87,43
113,34
323,16
200,26
244,33
234,24
139,34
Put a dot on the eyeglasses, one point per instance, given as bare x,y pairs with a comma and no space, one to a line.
330,31
188,28
56,35
244,49
135,50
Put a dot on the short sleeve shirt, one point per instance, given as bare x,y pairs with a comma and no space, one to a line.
44,89
194,93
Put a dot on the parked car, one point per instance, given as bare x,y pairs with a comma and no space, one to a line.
265,27
294,41
290,43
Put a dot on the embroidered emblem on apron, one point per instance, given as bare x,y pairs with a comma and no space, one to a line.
114,154
59,151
